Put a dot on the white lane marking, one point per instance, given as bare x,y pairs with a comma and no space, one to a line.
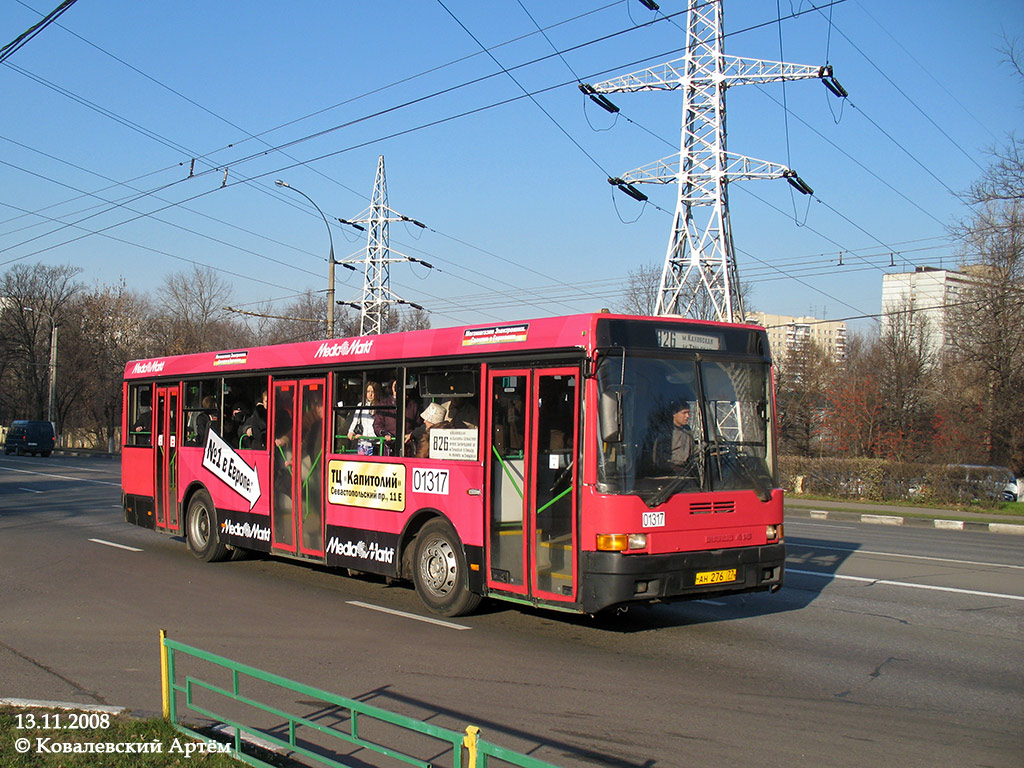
897,554
119,546
405,615
30,490
830,526
910,584
61,477
710,602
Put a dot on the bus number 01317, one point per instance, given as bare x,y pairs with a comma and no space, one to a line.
430,481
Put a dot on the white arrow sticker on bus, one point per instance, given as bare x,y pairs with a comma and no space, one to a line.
222,460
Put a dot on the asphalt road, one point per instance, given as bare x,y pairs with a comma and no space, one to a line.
886,645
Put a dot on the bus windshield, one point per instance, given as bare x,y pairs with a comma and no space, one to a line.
677,424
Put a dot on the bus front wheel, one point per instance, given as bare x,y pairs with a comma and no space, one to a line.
440,571
201,530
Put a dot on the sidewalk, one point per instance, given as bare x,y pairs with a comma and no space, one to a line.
891,514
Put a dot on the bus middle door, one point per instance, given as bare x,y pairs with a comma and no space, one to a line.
165,457
533,433
297,432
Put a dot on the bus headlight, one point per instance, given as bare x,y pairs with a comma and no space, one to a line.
638,541
773,532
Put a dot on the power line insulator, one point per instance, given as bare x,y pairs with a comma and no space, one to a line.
598,98
650,5
360,227
825,73
797,183
628,188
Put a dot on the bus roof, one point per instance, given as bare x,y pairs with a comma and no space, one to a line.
569,332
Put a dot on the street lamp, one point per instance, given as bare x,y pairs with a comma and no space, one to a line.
330,260
53,363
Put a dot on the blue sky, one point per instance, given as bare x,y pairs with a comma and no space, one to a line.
105,110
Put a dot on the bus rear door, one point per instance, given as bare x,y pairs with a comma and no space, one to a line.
166,458
533,417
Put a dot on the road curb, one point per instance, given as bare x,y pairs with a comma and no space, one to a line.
937,523
37,704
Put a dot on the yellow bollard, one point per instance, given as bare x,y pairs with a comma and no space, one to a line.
469,742
165,683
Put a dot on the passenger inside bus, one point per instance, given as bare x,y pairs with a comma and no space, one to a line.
385,423
311,467
434,417
463,412
207,419
361,430
254,430
283,519
235,415
142,426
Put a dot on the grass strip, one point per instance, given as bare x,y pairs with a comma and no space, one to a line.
58,738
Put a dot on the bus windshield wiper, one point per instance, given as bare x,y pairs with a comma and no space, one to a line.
671,487
732,459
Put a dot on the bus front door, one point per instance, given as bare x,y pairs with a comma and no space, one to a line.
166,457
297,431
532,447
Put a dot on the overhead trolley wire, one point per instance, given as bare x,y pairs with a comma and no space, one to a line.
22,40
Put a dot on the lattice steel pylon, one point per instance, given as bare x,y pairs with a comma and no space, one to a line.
377,298
699,278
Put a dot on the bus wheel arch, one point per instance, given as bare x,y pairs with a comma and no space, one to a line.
202,525
434,558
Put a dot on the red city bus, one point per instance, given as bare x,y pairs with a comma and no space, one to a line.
578,463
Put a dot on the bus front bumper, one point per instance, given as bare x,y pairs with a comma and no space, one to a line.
614,578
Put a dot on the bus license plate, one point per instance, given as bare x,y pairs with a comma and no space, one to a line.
715,577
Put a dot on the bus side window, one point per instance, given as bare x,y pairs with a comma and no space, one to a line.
202,410
364,412
243,408
140,415
450,394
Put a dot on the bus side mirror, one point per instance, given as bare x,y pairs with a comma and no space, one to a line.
611,415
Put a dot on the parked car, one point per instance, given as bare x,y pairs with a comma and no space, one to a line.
973,482
1014,490
35,437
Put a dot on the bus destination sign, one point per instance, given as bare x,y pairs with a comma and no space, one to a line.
670,338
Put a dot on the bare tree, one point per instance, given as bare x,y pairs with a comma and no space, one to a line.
802,381
36,298
111,330
988,319
412,319
641,293
905,371
192,314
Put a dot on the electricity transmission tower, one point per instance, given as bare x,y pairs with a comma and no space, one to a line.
699,278
377,298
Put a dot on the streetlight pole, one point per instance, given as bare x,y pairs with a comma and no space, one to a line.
53,370
51,403
330,260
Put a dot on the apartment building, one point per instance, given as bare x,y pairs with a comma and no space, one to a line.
925,294
786,332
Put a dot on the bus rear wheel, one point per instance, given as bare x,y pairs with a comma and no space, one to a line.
440,571
201,530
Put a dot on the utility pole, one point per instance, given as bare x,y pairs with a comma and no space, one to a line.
377,298
699,278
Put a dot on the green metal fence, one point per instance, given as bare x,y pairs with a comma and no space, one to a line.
460,750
